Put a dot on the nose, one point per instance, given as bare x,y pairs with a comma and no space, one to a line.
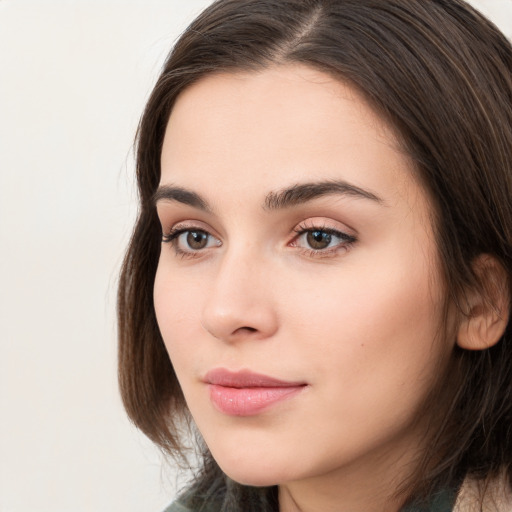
240,304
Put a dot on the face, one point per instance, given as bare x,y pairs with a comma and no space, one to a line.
298,290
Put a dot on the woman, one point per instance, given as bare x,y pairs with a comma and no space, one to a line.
319,278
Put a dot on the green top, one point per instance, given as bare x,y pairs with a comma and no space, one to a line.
177,507
441,502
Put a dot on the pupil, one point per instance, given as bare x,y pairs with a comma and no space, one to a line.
318,239
197,239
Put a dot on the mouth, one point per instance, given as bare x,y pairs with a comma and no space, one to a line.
245,393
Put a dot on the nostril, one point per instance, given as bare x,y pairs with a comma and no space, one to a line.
248,329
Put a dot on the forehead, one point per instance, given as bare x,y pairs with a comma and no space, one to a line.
262,131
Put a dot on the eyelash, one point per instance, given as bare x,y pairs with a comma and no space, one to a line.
346,241
172,238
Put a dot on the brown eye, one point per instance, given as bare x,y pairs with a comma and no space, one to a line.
318,240
188,242
197,240
322,242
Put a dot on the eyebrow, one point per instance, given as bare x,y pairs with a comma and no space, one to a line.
278,200
304,192
181,195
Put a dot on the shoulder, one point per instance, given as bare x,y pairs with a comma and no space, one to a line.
177,507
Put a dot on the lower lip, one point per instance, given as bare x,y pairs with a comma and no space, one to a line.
249,401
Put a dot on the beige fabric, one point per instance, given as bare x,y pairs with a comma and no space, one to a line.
497,497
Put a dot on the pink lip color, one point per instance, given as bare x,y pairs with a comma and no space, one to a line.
245,393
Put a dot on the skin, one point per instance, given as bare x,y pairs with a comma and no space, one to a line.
358,322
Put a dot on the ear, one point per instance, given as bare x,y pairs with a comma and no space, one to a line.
488,307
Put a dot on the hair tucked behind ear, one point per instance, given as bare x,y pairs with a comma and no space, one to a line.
440,74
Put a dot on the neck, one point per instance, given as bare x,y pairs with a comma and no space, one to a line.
368,486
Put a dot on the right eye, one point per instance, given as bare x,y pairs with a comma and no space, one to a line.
188,241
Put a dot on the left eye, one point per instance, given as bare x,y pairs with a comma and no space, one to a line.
322,239
318,239
195,239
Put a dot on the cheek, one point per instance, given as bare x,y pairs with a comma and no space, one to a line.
176,304
379,320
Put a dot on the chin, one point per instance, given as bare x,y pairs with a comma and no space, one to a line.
251,478
253,473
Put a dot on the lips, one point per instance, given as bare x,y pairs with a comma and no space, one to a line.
246,393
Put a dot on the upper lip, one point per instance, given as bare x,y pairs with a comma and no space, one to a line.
246,379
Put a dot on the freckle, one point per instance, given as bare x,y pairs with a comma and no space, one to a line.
362,344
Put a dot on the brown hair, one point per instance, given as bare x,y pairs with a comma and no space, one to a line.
441,74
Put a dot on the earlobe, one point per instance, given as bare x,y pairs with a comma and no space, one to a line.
488,307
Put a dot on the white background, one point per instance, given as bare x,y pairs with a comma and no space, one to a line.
74,76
